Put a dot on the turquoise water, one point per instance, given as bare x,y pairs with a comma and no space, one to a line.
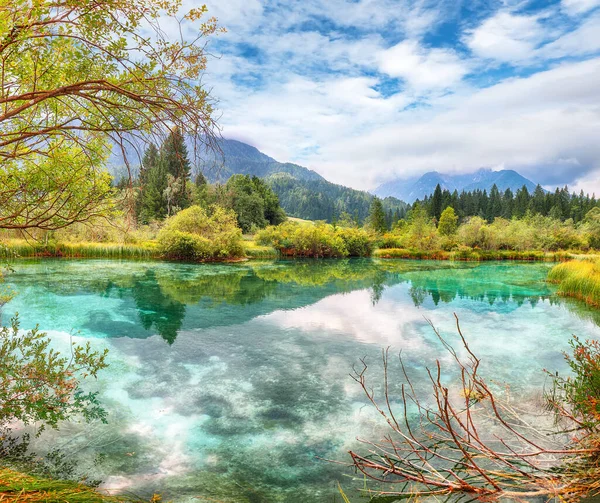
231,382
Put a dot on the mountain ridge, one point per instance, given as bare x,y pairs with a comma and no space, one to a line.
409,190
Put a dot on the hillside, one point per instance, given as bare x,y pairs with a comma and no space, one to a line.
410,190
303,193
240,158
323,200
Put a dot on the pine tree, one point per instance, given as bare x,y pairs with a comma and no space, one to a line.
507,204
152,204
377,216
494,204
437,202
174,156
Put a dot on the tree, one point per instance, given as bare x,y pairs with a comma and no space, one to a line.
152,204
174,156
79,77
448,222
436,203
494,204
377,216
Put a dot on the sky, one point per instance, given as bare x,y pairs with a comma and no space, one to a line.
364,91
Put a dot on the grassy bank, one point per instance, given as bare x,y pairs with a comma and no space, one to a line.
143,251
16,487
472,255
579,279
23,248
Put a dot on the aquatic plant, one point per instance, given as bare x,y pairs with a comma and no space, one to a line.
469,439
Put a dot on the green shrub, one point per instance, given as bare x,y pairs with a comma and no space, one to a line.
358,242
198,234
319,240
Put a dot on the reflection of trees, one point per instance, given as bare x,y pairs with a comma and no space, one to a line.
320,272
157,309
489,283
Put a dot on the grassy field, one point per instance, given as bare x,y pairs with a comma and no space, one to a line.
16,487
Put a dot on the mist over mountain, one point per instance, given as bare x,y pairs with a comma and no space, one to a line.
410,190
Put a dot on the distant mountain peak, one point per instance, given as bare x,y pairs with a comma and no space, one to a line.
481,179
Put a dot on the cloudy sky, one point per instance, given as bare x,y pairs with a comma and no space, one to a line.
364,91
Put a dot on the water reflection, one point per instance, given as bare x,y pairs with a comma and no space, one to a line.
228,382
158,298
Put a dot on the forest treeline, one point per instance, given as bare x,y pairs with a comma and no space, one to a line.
560,204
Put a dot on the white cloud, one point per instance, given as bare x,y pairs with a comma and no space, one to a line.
506,37
321,99
585,39
575,7
422,68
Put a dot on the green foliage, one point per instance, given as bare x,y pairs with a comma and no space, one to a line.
581,391
76,59
357,241
254,202
319,240
448,222
39,385
175,162
196,234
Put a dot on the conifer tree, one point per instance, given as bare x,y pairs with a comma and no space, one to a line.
377,216
436,202
174,156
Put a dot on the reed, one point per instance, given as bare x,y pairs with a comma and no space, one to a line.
579,279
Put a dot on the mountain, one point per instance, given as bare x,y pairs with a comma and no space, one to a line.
412,189
302,192
240,158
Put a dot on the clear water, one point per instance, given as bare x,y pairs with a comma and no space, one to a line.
231,383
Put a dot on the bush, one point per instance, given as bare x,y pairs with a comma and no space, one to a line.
195,234
357,241
319,240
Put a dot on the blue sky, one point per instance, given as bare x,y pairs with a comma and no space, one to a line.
368,90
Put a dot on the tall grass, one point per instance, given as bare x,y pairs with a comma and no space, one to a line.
252,250
22,248
579,279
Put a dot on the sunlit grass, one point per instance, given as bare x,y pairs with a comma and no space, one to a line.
16,487
23,248
579,279
252,250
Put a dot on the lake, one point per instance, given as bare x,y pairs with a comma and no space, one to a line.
231,382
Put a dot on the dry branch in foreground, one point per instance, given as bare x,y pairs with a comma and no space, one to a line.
471,441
